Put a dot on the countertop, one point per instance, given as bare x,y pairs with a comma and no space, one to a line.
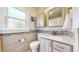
61,38
15,31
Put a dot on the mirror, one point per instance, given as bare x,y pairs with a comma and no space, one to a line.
55,17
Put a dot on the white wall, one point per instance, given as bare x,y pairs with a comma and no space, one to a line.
30,25
75,18
2,18
28,36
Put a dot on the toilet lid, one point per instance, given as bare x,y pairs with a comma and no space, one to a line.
35,43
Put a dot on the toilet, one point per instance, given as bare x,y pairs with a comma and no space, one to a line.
34,46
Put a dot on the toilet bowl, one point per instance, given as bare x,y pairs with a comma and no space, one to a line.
34,46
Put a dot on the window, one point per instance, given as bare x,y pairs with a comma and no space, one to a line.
16,19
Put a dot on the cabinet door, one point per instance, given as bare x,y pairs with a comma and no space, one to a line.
45,45
61,47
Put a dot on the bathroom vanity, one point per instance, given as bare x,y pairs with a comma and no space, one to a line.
49,45
56,21
55,43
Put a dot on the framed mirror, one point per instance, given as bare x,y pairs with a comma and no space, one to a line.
55,17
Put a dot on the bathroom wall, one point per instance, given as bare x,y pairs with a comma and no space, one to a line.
30,11
75,20
2,18
12,43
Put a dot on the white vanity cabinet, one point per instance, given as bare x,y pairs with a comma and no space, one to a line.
61,47
45,45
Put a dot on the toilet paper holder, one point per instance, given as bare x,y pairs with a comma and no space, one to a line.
21,40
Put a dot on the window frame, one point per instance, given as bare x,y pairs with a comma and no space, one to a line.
16,19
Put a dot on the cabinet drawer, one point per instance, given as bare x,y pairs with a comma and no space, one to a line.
62,47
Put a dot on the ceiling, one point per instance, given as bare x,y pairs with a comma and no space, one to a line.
36,10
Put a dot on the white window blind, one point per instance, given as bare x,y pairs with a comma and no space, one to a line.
16,19
17,14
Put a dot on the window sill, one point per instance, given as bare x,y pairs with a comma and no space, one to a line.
3,31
